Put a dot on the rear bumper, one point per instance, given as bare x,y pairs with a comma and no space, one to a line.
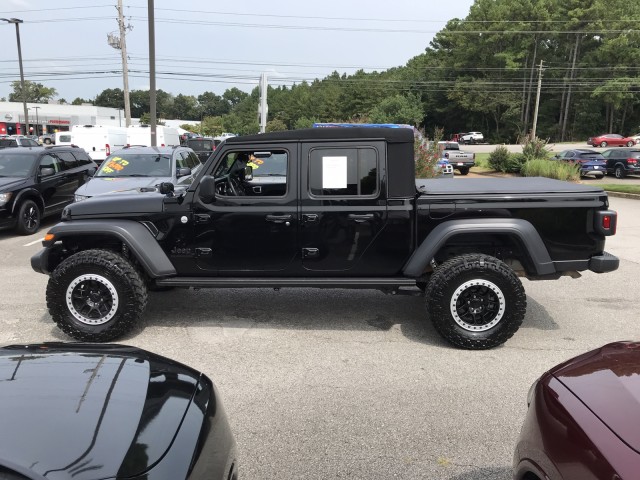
604,263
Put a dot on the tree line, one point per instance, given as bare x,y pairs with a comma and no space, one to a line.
478,73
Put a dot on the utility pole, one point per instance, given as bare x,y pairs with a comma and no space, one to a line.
120,43
535,115
17,22
152,72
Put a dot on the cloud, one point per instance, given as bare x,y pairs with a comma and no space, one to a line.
21,3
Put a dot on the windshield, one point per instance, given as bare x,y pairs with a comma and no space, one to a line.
200,144
136,165
12,165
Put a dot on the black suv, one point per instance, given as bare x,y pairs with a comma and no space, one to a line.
622,161
39,181
203,146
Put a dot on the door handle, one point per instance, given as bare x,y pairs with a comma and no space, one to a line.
360,218
278,218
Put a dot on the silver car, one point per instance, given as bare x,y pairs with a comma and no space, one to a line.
142,169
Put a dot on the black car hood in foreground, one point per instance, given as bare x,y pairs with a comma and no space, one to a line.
7,183
89,411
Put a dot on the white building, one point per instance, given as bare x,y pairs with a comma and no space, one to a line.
51,117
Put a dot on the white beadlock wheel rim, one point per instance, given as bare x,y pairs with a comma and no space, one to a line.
477,283
79,316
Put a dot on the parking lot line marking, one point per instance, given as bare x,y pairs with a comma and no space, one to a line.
32,243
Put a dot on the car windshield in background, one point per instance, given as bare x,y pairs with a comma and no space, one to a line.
8,142
136,165
12,165
591,156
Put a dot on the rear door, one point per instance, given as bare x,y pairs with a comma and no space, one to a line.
343,207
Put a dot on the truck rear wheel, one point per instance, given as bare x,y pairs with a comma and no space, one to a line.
464,170
96,295
475,301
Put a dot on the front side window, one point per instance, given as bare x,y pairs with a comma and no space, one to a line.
269,173
50,161
136,165
343,172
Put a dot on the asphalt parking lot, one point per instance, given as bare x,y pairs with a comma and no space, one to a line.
355,384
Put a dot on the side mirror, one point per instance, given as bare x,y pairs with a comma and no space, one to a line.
47,172
248,173
183,172
207,189
92,171
166,188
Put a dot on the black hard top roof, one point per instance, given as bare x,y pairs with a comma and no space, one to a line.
391,135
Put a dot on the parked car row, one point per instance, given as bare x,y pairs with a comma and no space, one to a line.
619,162
37,182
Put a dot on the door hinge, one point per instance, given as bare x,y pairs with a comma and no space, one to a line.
202,252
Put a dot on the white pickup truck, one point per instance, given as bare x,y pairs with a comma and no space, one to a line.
459,160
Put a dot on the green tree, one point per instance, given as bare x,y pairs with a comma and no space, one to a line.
111,97
80,101
398,109
212,105
276,125
35,92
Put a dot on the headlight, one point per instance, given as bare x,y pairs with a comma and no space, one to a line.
79,198
4,198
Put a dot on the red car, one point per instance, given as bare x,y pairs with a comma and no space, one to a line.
583,420
610,140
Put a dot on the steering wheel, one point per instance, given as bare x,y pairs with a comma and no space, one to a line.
230,186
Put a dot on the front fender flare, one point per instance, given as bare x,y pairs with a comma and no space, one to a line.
522,229
134,235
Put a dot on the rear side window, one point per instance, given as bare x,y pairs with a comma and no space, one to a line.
68,160
343,172
192,160
10,142
81,156
65,138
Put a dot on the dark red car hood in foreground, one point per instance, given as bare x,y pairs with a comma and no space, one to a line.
87,411
607,381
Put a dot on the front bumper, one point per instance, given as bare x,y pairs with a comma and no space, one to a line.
604,263
40,261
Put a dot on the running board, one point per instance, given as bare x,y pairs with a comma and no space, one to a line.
393,283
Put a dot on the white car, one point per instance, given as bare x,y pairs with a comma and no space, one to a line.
636,138
472,137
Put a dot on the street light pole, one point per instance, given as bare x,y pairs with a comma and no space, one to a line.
37,119
17,22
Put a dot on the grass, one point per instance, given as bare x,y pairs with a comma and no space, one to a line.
550,169
621,188
482,163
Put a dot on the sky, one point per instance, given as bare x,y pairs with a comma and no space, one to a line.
213,46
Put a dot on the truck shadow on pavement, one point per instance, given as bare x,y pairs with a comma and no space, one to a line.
484,473
304,309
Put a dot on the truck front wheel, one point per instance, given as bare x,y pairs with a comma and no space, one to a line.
475,301
96,295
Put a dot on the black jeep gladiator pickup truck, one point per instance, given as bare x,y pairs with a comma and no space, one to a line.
326,208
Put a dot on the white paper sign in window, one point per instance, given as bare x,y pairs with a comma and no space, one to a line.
334,172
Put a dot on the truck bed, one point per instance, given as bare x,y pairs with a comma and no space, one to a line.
504,186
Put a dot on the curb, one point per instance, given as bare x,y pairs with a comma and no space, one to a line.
633,196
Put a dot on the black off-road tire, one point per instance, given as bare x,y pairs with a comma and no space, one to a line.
498,290
28,219
89,269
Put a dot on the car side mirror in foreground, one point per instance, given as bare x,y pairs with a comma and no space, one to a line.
166,188
92,171
47,172
207,190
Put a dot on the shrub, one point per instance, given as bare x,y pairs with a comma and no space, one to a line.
515,162
535,148
551,169
427,154
499,158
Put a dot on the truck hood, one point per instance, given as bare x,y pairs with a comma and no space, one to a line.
102,185
89,411
607,381
116,204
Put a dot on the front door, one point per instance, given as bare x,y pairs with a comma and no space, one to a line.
251,225
58,189
343,208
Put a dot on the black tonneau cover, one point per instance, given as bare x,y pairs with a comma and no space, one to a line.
502,186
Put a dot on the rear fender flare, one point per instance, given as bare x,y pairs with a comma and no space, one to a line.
523,230
134,235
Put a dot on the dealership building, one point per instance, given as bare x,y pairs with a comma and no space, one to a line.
51,117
